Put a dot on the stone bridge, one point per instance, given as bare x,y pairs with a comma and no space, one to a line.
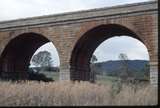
76,35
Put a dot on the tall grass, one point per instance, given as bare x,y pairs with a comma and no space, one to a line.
66,93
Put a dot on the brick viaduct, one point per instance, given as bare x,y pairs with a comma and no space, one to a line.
75,36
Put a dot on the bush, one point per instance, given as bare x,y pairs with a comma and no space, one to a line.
38,77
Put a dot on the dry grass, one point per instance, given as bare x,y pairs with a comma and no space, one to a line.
64,93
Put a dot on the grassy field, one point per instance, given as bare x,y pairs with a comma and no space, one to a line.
106,91
66,93
105,79
53,75
99,78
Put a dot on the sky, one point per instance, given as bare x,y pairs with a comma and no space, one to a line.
112,47
13,9
16,9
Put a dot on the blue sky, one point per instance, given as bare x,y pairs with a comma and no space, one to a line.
15,9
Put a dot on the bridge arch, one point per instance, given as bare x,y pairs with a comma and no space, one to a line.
16,56
86,45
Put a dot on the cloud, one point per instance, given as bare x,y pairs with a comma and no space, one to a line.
108,50
111,48
13,9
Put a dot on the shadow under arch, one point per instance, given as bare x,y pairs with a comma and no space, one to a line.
15,59
86,45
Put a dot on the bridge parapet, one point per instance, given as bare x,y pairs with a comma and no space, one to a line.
70,17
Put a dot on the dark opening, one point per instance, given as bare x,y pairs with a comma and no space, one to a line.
15,59
86,45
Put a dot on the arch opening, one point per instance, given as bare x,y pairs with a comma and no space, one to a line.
15,58
107,64
45,63
86,45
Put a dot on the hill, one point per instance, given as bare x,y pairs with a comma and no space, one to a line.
112,68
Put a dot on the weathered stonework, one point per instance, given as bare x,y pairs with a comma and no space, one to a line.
65,31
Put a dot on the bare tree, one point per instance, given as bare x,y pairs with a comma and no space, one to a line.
93,58
42,59
124,69
92,66
146,71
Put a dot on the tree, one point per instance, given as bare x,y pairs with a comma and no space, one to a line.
125,71
146,71
42,59
93,72
42,62
93,58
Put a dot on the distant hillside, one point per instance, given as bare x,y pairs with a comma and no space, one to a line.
114,67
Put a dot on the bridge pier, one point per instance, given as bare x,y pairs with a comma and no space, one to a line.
154,73
80,73
64,72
